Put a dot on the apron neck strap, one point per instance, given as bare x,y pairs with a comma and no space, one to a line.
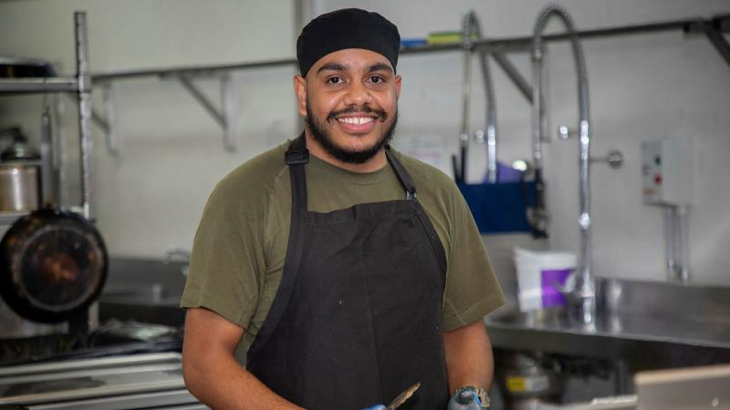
400,171
297,155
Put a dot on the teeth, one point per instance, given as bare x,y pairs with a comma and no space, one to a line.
356,120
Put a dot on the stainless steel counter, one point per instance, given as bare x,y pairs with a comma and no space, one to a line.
647,324
121,382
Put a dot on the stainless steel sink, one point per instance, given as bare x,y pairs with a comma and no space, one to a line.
143,290
645,323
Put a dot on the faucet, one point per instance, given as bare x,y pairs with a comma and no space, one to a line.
471,30
179,254
582,298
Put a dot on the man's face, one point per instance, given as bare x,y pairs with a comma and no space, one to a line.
350,103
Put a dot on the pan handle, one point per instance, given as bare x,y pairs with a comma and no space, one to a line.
47,186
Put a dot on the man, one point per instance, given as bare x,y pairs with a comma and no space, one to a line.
349,271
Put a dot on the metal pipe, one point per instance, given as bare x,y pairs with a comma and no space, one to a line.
584,293
683,271
36,85
84,95
471,31
192,70
537,110
465,97
669,241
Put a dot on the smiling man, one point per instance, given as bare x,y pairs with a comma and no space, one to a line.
344,270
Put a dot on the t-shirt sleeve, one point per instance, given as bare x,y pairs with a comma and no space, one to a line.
227,256
472,290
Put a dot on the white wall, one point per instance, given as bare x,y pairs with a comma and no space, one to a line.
642,87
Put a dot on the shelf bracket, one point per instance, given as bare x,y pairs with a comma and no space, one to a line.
519,81
714,30
226,117
107,122
110,115
718,39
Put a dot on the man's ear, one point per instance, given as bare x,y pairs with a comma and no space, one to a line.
300,89
398,80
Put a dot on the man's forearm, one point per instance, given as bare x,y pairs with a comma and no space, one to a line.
469,356
212,373
224,384
220,382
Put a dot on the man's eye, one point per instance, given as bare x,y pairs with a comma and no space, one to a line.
334,80
376,79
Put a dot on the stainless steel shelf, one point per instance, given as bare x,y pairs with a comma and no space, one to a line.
38,85
496,45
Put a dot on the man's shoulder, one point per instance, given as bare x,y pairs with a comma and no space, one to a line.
254,181
258,173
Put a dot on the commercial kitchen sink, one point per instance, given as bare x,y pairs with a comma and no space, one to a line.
646,324
144,291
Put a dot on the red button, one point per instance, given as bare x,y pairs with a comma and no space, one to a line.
658,179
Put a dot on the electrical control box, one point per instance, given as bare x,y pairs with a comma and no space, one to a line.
666,172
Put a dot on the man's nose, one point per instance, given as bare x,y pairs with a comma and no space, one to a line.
357,94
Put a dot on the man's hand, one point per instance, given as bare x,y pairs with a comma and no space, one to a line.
464,400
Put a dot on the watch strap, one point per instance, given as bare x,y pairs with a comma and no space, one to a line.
480,392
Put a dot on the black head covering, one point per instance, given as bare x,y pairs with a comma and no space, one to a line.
347,28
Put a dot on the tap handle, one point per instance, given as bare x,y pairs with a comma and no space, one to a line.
479,137
614,159
564,132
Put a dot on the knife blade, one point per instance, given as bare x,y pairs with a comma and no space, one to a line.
403,397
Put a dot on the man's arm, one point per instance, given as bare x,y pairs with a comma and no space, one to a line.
212,373
469,356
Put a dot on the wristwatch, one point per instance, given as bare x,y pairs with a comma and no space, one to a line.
481,393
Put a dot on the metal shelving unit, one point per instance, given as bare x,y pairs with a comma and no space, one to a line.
80,87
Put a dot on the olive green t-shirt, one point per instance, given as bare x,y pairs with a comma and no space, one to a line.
241,243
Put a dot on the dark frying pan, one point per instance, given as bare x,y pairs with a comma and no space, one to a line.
53,265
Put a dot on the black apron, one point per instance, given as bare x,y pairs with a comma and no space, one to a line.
357,316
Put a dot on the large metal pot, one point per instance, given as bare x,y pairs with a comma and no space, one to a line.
20,175
19,187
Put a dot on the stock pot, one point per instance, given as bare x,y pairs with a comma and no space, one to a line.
20,173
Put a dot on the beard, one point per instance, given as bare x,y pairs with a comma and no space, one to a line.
321,134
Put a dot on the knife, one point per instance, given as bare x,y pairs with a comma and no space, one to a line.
403,397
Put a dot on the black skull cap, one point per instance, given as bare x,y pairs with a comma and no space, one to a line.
343,29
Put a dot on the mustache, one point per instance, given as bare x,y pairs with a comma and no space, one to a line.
382,115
